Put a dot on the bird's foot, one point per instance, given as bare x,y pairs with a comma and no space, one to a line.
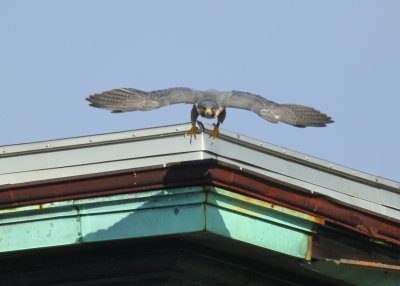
192,133
214,134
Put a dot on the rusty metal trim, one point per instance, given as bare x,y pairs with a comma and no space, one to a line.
376,265
197,173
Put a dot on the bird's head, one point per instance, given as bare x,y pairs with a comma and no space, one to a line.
208,109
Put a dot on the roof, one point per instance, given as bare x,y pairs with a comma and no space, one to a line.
241,201
165,145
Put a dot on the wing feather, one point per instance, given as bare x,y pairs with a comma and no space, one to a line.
130,99
293,114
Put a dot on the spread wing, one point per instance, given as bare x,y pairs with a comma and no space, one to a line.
130,99
293,114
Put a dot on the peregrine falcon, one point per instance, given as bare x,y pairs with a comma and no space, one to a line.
209,104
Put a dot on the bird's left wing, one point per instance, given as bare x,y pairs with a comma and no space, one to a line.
130,99
293,114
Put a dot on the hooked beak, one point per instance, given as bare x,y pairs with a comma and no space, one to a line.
208,113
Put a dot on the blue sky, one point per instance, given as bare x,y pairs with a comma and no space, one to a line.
341,57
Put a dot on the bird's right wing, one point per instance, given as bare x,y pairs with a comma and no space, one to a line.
130,99
293,114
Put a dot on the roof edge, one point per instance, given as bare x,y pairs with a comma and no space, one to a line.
202,172
180,129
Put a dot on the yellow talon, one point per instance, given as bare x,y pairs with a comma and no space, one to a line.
192,132
214,134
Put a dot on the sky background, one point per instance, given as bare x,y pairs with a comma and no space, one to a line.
341,57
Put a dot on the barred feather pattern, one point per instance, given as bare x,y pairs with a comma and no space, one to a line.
130,99
296,115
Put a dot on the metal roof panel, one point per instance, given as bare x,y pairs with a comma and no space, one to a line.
162,145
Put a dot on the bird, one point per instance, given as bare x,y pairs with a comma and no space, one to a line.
208,104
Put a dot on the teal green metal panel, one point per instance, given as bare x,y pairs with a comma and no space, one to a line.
143,223
259,223
105,218
39,233
154,213
357,275
142,200
257,232
144,214
261,210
